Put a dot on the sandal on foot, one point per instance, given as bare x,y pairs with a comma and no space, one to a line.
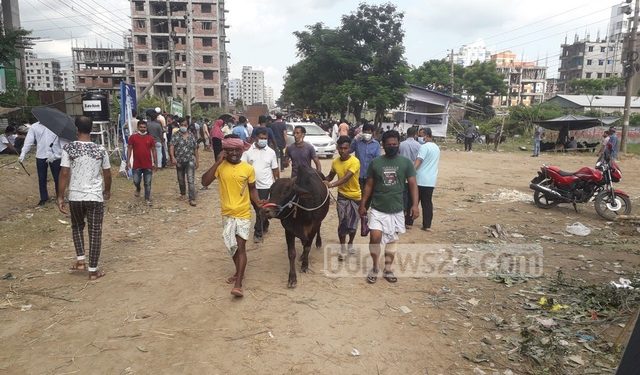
231,279
78,266
237,292
372,277
389,276
96,275
192,203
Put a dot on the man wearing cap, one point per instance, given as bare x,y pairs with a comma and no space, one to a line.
237,190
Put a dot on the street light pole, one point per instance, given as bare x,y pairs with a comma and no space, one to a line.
631,69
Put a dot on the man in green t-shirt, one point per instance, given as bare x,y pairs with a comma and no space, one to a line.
386,178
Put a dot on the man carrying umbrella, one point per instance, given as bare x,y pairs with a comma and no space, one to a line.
49,134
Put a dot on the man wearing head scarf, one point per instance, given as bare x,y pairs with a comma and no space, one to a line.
237,190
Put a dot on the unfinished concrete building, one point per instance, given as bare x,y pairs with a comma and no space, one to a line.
526,81
195,31
102,68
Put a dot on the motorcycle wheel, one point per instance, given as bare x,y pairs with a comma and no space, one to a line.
603,203
541,200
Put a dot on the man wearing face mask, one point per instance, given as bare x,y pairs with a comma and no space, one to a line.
237,189
385,185
365,149
409,149
184,155
142,148
265,164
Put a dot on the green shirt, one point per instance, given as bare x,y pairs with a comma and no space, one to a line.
389,178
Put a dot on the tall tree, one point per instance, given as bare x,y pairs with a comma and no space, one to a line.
482,80
12,43
378,36
436,75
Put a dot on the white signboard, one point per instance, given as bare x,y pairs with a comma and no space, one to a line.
91,106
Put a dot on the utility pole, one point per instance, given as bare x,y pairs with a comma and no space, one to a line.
452,72
187,102
630,68
172,52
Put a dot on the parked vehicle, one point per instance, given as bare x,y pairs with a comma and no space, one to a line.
320,139
553,186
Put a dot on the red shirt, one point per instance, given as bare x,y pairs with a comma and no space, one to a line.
142,147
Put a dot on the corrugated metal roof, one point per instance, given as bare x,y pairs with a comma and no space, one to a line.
600,100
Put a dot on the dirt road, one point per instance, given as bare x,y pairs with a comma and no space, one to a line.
163,307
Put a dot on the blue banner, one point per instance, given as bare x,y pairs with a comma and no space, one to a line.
127,108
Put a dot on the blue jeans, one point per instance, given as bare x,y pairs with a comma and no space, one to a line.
137,178
41,165
536,147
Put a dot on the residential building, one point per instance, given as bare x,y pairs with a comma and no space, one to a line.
268,97
585,59
100,68
195,29
470,53
619,23
235,90
68,80
526,81
551,89
252,86
42,74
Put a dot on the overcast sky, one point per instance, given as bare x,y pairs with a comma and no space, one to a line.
261,36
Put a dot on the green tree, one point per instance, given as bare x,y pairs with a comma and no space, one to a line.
593,87
482,80
150,101
12,43
436,75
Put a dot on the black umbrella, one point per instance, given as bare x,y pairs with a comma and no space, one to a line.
60,123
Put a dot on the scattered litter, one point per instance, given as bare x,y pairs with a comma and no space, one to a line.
578,229
405,309
25,307
355,352
478,358
517,235
8,276
28,216
192,231
624,284
270,334
508,279
478,371
551,305
576,359
547,238
497,231
63,222
507,195
547,322
142,349
473,302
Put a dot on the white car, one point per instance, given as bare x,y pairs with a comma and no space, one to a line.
320,139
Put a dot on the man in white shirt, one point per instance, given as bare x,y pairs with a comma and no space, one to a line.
48,154
265,163
85,165
6,141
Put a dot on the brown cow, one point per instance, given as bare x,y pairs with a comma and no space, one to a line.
301,203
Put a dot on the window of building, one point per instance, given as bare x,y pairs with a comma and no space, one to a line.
609,62
46,71
600,62
207,75
38,71
207,42
184,74
599,75
207,59
589,61
588,75
611,48
48,85
206,25
142,57
139,6
48,79
141,39
141,24
105,80
46,65
602,49
144,74
81,80
208,92
184,57
205,8
590,48
608,75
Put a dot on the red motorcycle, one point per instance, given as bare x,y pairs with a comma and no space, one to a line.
553,186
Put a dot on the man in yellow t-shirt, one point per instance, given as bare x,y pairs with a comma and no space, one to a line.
237,189
347,168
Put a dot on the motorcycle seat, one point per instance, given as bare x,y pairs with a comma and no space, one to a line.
565,174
